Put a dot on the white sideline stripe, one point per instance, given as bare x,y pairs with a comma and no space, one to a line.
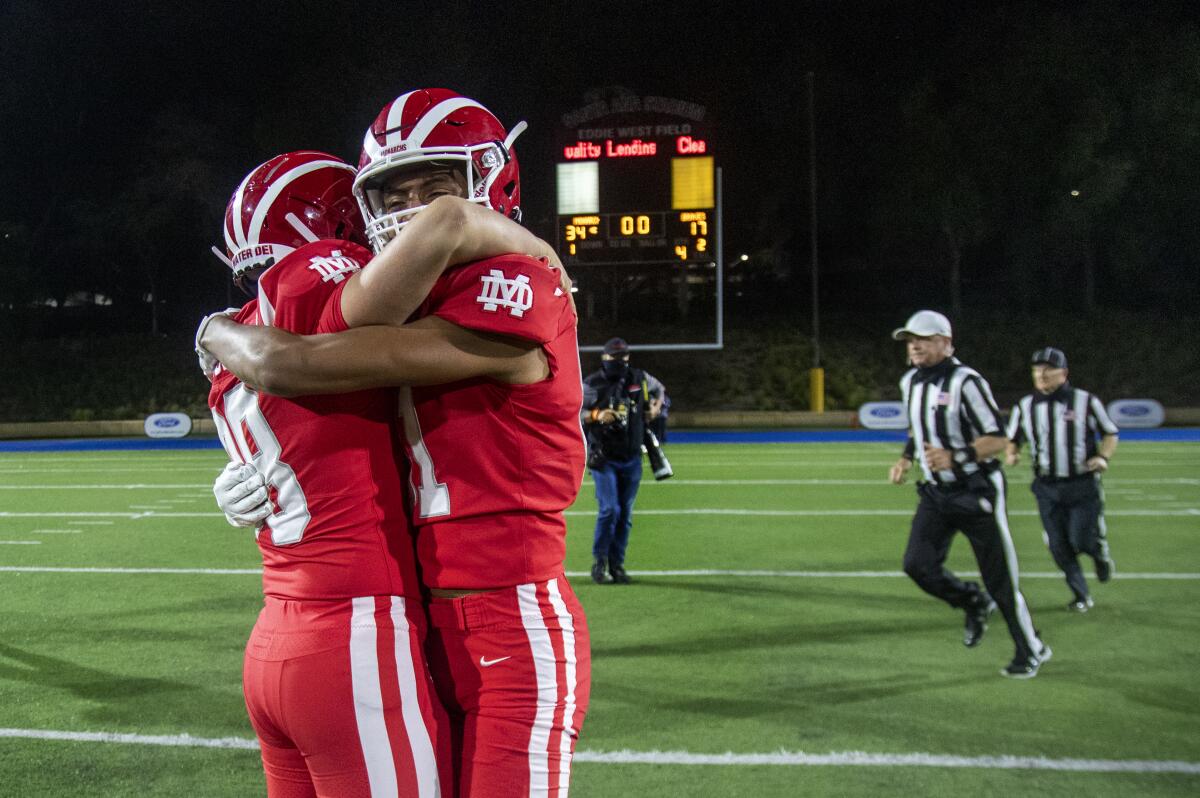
881,482
132,486
627,757
1123,575
861,758
22,569
907,513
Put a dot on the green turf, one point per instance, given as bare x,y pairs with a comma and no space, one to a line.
704,664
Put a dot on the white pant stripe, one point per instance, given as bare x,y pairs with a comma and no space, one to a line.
424,761
568,634
1000,513
543,659
368,699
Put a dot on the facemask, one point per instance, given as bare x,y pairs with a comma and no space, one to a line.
614,368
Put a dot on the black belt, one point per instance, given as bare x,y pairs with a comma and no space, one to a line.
1059,480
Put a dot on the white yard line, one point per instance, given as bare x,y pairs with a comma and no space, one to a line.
152,511
55,532
20,542
747,572
727,759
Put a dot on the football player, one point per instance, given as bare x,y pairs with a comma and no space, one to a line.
492,429
335,679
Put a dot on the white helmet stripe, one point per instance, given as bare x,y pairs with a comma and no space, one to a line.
277,186
239,237
393,136
371,146
435,115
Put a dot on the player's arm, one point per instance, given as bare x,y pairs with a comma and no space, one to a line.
449,232
431,351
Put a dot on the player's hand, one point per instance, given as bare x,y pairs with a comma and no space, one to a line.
606,416
1097,464
938,459
897,472
208,363
1012,458
242,495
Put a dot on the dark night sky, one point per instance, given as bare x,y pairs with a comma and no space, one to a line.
86,84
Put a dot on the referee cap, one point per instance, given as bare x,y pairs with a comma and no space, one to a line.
924,323
1049,356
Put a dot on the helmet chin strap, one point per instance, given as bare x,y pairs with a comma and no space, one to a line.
301,228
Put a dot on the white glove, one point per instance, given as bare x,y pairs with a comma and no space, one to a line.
208,363
242,495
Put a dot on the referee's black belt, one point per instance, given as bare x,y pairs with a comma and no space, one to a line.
1060,480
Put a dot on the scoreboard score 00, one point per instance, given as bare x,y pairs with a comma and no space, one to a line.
636,237
645,198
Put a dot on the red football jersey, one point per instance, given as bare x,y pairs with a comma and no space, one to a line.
492,465
340,528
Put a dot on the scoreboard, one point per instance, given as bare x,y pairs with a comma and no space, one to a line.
639,192
639,220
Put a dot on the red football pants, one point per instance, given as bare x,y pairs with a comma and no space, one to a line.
513,668
341,700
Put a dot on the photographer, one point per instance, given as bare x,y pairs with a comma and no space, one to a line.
618,400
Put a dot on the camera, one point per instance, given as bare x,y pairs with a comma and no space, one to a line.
659,463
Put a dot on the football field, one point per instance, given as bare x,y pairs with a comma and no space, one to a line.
770,645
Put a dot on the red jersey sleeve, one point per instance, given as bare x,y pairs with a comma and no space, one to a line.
510,295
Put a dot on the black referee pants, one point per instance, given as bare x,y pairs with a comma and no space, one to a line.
1072,517
982,517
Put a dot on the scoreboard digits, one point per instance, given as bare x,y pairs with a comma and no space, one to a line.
653,236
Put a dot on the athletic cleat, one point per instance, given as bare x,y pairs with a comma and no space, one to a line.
976,623
598,572
619,576
1022,668
1044,654
1105,568
1081,605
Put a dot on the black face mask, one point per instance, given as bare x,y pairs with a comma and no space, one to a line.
614,369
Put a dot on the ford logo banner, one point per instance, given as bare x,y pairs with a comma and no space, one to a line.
1136,413
168,425
883,415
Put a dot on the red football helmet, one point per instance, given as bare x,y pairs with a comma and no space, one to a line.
439,126
291,200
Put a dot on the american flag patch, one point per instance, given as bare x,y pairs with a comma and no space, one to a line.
1069,415
943,398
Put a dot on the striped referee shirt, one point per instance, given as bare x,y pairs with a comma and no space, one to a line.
1062,428
949,405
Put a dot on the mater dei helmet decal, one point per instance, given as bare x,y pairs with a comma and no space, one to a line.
289,201
436,127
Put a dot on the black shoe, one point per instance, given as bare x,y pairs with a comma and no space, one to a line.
976,622
1022,668
1105,568
619,576
598,572
1081,605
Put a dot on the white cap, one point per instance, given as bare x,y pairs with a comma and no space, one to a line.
924,323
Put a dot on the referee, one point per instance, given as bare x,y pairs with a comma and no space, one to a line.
955,433
1062,423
